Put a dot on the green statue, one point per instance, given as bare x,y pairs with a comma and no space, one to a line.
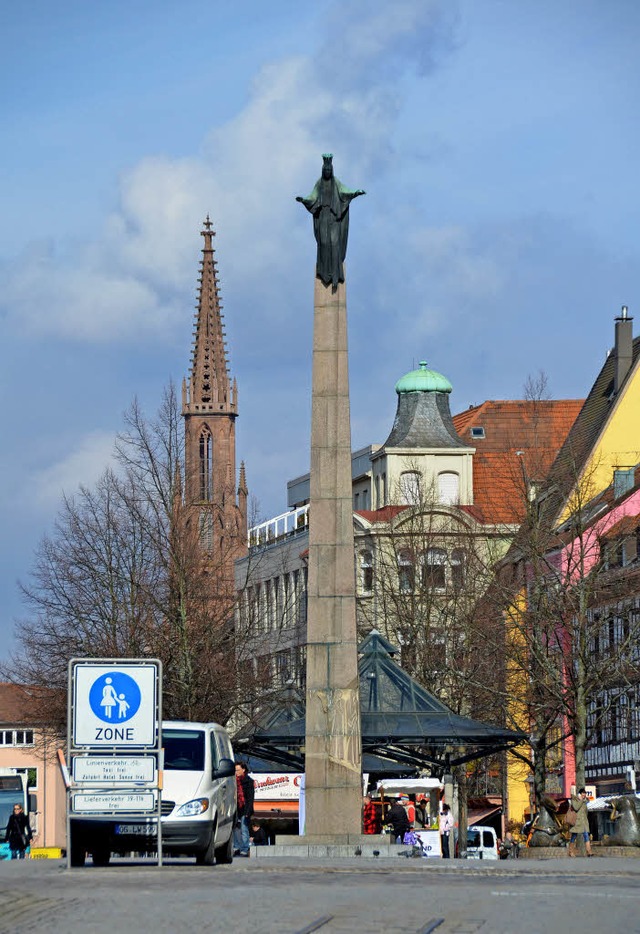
329,203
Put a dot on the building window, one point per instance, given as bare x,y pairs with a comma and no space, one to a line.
378,503
206,530
206,466
434,568
477,432
366,572
410,487
365,499
283,667
356,501
457,568
16,737
449,487
406,573
384,489
408,653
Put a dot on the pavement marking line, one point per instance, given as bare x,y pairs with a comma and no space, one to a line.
431,926
316,925
562,894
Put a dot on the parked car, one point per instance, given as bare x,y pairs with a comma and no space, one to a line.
482,842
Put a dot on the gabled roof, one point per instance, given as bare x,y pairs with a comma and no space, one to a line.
401,721
18,704
581,440
521,439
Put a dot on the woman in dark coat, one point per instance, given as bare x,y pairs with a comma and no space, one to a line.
19,833
397,817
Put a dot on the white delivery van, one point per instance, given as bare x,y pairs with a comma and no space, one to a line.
198,804
482,842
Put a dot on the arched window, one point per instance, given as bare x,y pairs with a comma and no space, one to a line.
449,487
406,572
458,569
410,487
366,572
206,466
434,568
206,530
378,503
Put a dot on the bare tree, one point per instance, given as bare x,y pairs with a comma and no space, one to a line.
571,622
126,572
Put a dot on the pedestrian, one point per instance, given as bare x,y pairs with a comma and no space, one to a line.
410,808
509,848
246,790
370,816
445,822
257,834
18,832
397,817
581,825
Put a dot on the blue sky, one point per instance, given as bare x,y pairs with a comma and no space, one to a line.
497,142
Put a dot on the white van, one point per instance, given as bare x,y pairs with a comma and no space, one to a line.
482,842
198,803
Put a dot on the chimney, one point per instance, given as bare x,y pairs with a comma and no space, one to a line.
623,350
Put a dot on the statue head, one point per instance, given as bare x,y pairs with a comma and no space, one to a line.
327,165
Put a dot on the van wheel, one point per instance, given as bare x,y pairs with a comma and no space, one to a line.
224,853
208,857
101,857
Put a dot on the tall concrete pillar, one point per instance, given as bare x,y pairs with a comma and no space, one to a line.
333,782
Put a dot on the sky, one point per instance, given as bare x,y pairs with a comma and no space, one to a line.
499,236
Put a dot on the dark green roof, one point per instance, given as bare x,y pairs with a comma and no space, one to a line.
401,721
423,380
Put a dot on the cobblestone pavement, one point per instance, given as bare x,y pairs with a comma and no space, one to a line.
341,897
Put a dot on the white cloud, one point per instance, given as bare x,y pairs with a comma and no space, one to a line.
83,465
345,94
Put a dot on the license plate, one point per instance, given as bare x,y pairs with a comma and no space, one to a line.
145,830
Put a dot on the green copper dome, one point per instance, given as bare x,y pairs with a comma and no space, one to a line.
423,380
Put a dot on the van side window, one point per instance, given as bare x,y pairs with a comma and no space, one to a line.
222,750
487,838
214,753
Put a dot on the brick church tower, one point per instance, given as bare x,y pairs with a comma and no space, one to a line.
210,409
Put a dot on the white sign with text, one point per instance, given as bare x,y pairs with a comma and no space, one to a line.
114,705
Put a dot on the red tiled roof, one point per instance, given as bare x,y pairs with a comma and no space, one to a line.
384,514
521,440
625,526
17,703
584,433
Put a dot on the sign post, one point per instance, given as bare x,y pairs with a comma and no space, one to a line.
114,741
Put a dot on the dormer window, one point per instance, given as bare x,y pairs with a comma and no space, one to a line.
477,432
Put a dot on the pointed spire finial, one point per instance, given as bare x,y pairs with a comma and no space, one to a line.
208,233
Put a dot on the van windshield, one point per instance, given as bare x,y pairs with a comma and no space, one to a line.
183,750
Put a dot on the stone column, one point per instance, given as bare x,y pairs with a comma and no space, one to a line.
333,780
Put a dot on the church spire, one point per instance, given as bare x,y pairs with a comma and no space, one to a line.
210,408
209,388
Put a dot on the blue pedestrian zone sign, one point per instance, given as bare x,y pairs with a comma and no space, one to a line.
115,697
115,705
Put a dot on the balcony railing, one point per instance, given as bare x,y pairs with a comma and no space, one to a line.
283,526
